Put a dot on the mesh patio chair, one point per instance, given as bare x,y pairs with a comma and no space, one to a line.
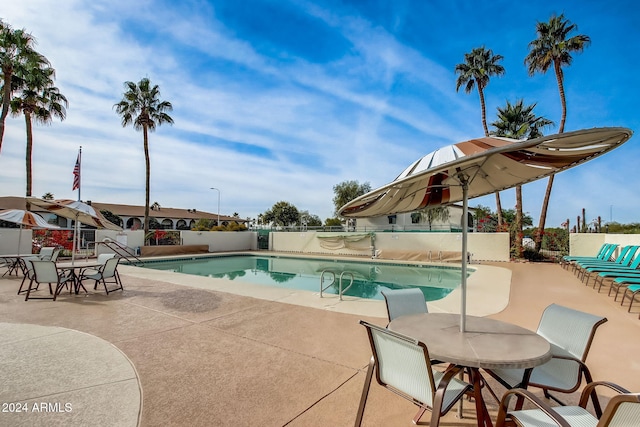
46,272
570,333
402,366
402,302
106,274
26,267
623,410
46,253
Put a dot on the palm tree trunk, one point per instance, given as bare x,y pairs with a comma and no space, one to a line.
543,214
518,232
6,100
563,101
148,179
27,119
547,194
486,133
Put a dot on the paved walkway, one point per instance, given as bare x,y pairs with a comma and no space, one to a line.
204,356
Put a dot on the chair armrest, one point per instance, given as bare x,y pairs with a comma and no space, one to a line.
584,397
536,401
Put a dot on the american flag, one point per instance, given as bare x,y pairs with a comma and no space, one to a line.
76,174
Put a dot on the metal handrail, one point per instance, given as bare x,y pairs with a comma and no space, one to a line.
350,284
121,250
333,280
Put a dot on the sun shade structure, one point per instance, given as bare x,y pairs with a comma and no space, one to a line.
24,219
479,167
77,211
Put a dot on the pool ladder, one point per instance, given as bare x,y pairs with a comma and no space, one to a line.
332,274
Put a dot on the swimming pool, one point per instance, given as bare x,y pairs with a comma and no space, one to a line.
369,278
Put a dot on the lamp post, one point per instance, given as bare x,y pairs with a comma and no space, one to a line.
218,190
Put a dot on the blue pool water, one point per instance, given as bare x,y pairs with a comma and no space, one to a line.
304,274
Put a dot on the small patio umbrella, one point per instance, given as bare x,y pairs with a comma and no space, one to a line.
77,211
24,219
478,167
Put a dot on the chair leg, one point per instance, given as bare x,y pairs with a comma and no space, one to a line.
365,392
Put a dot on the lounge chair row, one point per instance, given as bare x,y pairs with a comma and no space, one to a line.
622,275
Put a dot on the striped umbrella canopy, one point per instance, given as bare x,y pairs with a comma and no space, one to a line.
78,211
479,167
24,219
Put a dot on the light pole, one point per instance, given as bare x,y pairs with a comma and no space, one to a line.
218,190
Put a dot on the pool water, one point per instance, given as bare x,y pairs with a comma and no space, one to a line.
370,278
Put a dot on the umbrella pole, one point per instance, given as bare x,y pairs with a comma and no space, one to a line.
463,285
75,234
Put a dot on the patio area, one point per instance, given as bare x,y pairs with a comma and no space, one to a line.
208,357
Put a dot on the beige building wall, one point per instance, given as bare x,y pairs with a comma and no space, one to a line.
406,245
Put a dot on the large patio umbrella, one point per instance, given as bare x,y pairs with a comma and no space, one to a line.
24,219
479,167
78,211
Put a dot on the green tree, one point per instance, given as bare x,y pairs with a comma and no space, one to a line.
553,48
141,107
518,121
346,191
39,101
17,54
439,213
282,213
475,72
110,216
309,219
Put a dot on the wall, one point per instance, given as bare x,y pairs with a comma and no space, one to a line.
218,241
483,246
588,244
9,238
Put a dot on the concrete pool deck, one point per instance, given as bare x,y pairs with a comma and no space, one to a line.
206,357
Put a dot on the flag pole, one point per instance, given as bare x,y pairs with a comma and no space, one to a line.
79,170
76,184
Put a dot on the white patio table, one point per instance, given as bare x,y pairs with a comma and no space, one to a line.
486,343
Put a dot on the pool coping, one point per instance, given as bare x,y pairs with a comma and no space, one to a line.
488,287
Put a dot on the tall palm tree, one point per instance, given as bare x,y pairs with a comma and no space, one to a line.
39,101
16,56
553,47
141,107
518,121
476,70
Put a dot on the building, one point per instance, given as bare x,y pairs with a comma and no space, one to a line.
133,216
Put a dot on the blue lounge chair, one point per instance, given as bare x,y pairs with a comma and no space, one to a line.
622,257
605,252
633,290
628,264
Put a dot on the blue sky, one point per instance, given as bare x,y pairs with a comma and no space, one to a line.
282,100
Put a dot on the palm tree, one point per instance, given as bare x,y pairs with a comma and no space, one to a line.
142,107
476,70
518,121
553,48
16,56
39,101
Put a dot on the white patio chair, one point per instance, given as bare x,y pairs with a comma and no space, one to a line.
570,333
402,365
46,272
402,302
25,265
46,253
107,273
623,410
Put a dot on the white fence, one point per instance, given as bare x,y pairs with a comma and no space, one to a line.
406,245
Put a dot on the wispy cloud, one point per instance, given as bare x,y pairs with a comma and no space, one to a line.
283,100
